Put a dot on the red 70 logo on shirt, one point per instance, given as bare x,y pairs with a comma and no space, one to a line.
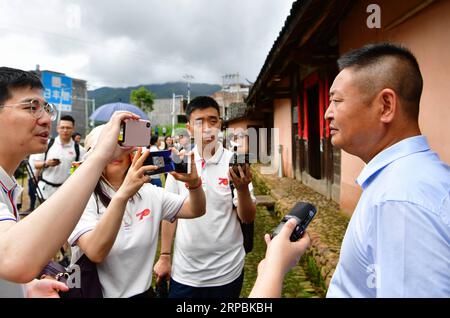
223,181
142,214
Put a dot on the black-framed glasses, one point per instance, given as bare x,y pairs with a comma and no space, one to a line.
36,108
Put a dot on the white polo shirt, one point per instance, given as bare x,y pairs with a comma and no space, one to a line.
209,250
58,174
127,270
9,193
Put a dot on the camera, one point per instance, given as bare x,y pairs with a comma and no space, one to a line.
135,133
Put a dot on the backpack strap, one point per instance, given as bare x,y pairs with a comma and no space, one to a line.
76,146
77,151
50,144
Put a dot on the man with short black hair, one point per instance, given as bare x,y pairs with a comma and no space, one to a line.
27,245
397,242
209,254
57,160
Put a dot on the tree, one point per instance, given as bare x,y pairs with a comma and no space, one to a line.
142,98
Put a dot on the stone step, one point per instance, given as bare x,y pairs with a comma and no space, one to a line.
265,200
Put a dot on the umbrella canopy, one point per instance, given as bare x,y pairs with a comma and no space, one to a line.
104,113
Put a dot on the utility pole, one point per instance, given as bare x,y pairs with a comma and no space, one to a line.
238,86
86,110
173,110
188,78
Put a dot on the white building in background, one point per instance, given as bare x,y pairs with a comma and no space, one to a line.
162,112
230,93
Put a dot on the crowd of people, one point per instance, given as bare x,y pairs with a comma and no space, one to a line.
110,210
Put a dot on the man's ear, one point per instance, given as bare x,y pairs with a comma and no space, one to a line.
388,104
188,127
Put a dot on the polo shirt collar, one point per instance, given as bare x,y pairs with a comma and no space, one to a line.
215,159
69,144
401,149
6,181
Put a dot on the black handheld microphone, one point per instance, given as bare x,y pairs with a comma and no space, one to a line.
303,213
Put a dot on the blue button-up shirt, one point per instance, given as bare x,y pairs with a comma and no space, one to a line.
397,243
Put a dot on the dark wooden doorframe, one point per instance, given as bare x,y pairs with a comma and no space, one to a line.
313,130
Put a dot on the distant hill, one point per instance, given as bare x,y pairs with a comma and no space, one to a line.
106,95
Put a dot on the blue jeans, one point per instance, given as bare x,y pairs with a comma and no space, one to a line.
231,290
156,182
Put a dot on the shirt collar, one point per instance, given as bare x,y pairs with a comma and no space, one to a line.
69,144
7,181
401,149
214,159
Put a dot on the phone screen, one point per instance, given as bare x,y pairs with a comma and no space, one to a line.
162,159
121,133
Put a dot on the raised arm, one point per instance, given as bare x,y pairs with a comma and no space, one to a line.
97,244
39,236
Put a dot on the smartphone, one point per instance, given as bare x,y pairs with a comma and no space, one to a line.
162,159
135,133
240,160
181,164
57,160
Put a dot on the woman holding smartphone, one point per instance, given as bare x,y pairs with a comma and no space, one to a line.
119,227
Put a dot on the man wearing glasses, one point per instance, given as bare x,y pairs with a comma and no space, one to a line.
209,253
56,162
27,245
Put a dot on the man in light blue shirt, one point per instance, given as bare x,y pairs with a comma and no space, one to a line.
397,243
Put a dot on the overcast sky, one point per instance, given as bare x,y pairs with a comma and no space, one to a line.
124,43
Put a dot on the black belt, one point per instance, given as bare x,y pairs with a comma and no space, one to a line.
56,185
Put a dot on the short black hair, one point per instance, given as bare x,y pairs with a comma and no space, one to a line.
153,139
404,75
11,78
201,102
68,118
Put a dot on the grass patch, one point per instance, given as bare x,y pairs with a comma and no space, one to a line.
313,272
296,283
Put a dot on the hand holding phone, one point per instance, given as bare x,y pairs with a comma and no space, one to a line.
53,162
303,213
191,176
161,159
241,159
180,160
135,177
